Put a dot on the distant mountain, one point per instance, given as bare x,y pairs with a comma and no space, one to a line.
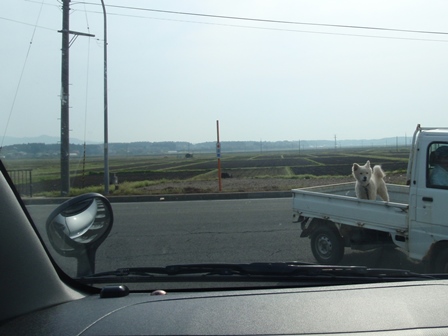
48,145
399,141
46,139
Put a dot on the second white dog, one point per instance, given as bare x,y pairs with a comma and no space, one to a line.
370,182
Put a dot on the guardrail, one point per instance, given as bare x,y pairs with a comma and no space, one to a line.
22,179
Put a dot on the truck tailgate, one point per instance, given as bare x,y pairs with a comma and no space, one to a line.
334,203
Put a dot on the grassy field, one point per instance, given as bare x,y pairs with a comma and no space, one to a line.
137,172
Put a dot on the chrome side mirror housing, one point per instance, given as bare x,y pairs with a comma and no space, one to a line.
77,227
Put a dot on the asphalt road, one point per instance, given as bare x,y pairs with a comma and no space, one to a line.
250,230
161,233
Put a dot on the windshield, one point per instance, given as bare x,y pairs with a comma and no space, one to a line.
273,132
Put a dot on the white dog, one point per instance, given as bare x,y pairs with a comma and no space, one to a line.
370,183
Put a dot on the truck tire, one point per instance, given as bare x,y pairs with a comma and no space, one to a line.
327,245
440,261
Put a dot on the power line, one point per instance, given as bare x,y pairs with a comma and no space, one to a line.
270,20
21,76
27,24
283,29
263,20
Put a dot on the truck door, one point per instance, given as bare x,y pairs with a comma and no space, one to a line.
431,211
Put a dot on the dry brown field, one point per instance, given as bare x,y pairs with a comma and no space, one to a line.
270,171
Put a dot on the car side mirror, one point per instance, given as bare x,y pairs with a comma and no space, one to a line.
77,227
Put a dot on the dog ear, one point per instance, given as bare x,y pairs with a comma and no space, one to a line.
355,166
368,163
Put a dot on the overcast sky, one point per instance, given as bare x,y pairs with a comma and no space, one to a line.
171,76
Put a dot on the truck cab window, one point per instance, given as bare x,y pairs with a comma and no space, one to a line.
437,168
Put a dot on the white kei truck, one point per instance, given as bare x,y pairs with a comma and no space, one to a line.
415,219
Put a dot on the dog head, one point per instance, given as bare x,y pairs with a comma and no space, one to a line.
362,173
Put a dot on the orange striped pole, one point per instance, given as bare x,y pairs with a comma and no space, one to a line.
218,155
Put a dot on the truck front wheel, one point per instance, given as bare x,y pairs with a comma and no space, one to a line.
327,246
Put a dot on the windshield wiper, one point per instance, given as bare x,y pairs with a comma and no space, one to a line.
278,271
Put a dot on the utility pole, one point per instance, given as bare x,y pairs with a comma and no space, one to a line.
66,43
106,136
65,152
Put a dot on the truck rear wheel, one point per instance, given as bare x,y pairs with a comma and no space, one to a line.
327,245
440,262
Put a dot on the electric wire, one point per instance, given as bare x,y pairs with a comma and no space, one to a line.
284,29
26,23
21,77
270,21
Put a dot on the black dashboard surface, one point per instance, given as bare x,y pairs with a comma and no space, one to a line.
399,308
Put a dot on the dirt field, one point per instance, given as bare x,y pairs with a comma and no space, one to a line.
253,185
249,172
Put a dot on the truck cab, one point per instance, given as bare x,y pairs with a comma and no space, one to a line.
428,194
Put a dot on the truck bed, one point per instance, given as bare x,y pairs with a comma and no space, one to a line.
338,203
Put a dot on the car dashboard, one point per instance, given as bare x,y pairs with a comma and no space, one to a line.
409,308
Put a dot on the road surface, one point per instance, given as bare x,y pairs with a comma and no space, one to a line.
236,231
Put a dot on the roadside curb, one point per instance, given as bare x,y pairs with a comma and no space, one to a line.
170,197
